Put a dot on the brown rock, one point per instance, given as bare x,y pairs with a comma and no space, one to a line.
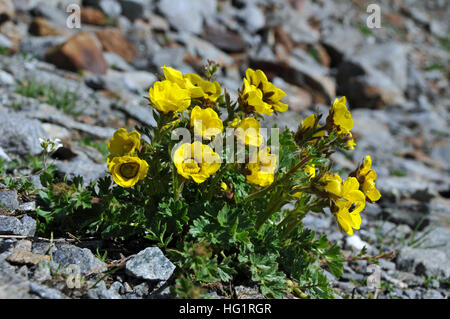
322,55
225,40
26,257
23,245
12,31
395,19
282,37
7,10
92,16
80,52
113,41
41,27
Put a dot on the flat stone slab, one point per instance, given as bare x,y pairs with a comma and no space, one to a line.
150,264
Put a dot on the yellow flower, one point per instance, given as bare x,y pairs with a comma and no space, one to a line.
252,99
333,183
247,132
127,170
258,95
262,168
295,193
206,122
351,142
367,176
351,202
223,186
351,193
196,161
197,87
167,96
173,75
200,88
235,122
348,221
340,117
310,170
307,125
123,143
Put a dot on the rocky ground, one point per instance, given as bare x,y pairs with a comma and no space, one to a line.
80,85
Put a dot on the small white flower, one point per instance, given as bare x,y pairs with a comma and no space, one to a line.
50,145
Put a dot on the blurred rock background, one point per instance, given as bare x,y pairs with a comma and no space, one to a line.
81,84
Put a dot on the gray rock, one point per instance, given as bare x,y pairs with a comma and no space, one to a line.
6,79
163,292
150,264
54,11
57,117
137,110
369,89
396,188
141,290
294,23
43,247
345,286
19,135
116,62
101,292
4,156
389,58
133,9
427,262
5,42
243,292
171,56
410,213
412,293
28,207
46,292
432,294
111,8
10,226
408,278
28,226
317,222
187,16
81,165
355,243
376,76
8,200
335,35
253,18
441,152
12,286
205,50
6,246
82,257
386,264
352,277
136,81
42,273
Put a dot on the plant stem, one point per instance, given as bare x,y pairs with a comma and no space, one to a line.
215,182
269,212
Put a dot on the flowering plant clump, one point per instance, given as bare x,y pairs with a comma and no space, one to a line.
223,198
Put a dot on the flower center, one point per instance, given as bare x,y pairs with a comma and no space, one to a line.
129,170
190,166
